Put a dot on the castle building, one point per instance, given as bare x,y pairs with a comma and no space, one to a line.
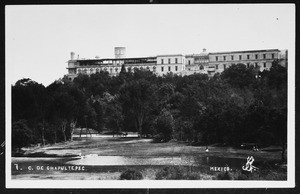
170,63
206,63
261,59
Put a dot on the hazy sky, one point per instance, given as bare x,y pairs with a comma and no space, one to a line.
39,39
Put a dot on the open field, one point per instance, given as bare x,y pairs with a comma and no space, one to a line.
105,157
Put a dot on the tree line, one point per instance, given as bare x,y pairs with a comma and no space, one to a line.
239,105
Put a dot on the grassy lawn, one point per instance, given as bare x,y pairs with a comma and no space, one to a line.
118,146
138,152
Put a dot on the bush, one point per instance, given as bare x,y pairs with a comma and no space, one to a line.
192,176
225,176
170,173
159,138
131,174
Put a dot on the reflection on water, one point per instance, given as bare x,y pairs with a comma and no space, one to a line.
120,160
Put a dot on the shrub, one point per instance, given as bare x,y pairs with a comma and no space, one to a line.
170,173
225,176
192,176
131,174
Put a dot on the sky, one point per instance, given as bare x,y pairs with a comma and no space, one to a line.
39,38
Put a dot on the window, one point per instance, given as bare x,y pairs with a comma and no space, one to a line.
162,68
216,58
256,56
256,65
169,68
272,55
224,58
97,70
154,69
264,55
240,57
147,68
116,69
224,66
265,65
248,56
162,61
176,60
248,65
189,62
217,66
169,61
176,68
232,57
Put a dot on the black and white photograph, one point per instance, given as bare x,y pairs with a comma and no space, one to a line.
150,96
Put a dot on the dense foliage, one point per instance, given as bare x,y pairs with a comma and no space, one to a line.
239,105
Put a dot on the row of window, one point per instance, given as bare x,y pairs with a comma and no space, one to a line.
248,65
169,61
189,62
116,70
169,68
247,57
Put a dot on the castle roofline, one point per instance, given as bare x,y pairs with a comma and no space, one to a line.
249,51
170,55
115,59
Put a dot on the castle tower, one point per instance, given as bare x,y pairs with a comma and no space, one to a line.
120,52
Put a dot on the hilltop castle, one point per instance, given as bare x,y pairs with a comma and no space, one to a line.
206,63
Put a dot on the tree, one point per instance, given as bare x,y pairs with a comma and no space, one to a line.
21,134
123,72
135,97
278,125
111,111
239,75
165,125
30,101
275,85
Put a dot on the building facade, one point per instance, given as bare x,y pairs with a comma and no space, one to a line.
261,59
206,63
170,63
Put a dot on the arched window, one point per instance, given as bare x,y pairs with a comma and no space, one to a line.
147,68
97,70
85,70
116,69
110,70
